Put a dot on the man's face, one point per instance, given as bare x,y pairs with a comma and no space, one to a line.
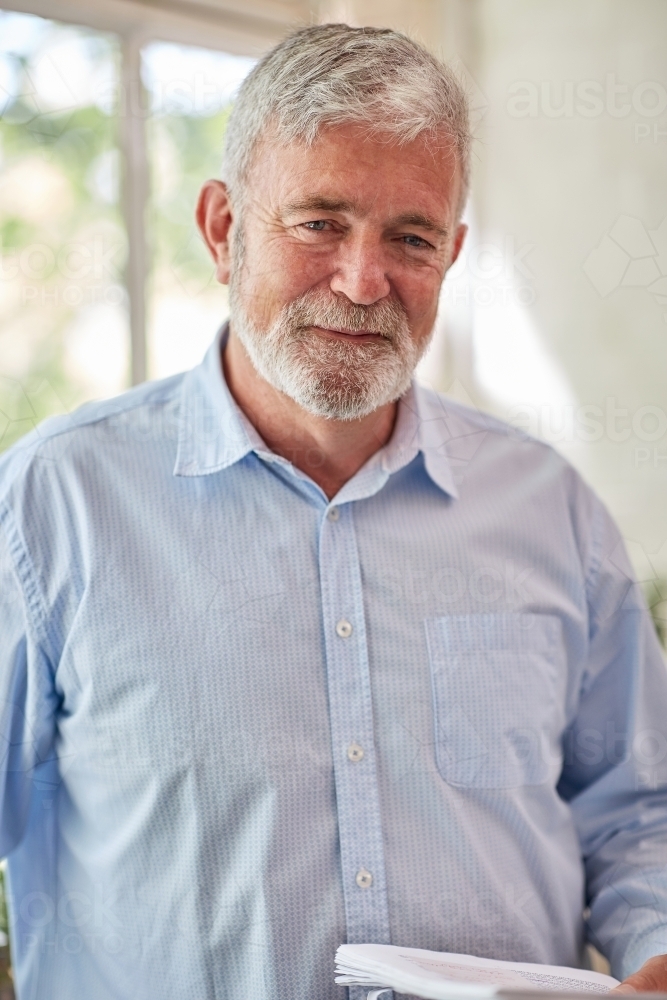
344,247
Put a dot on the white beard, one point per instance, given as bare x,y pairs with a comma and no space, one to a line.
331,378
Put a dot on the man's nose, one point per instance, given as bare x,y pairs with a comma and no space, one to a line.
361,273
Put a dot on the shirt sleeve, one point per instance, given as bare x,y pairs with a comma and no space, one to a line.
27,700
615,772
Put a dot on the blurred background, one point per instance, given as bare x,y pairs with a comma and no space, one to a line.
555,317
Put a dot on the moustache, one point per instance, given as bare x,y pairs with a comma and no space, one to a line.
386,318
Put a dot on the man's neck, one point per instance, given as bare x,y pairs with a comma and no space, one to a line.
329,451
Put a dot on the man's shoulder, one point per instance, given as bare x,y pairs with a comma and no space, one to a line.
491,454
83,430
473,439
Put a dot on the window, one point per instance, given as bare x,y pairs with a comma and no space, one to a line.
189,92
106,132
63,306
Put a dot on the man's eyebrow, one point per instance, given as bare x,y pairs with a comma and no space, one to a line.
421,221
320,203
317,203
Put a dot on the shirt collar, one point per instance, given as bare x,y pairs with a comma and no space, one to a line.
423,425
213,433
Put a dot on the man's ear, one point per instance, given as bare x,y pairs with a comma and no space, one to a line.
214,218
459,237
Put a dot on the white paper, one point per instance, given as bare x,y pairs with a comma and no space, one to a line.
444,976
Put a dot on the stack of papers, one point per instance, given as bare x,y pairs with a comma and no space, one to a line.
437,975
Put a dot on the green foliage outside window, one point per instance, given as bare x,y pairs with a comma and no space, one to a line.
62,242
6,991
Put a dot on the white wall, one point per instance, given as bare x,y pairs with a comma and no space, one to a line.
563,183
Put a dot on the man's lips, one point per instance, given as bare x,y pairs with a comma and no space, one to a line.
356,335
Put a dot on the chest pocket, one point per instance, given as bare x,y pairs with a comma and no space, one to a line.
496,697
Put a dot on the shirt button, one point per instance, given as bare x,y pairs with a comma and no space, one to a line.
333,513
344,629
364,879
355,752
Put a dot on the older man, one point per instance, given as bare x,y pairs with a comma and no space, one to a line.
297,652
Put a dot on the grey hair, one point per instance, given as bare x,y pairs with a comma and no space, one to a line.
332,74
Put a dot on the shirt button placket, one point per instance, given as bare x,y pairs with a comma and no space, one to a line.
351,713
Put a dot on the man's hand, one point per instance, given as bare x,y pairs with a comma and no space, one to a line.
651,978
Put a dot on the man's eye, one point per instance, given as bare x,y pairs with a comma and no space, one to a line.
415,241
316,226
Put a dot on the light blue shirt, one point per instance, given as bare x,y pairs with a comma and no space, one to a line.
243,724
